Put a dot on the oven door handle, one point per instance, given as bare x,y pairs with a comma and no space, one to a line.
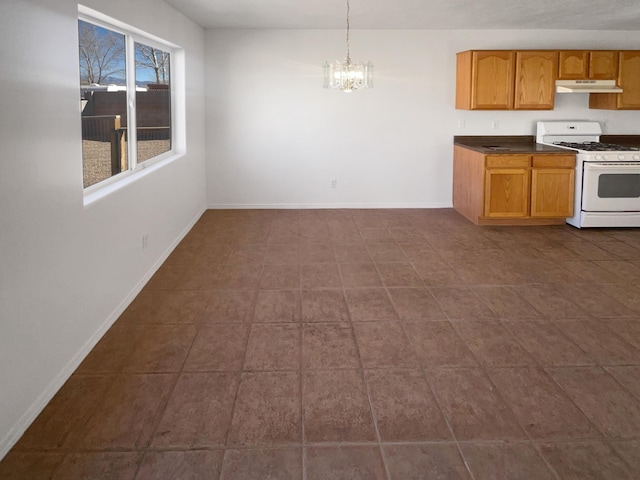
611,165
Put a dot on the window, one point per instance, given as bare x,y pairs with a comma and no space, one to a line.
126,100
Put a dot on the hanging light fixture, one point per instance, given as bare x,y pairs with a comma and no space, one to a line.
348,75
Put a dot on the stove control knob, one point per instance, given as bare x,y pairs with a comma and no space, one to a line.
598,157
605,157
620,157
636,157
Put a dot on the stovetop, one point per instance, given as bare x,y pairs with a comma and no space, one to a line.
583,136
596,147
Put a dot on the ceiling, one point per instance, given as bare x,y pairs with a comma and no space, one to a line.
415,14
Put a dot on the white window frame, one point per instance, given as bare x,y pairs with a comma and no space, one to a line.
132,36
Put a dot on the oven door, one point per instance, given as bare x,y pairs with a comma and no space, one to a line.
611,187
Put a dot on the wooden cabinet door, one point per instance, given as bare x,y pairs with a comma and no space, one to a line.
492,80
536,73
628,75
573,65
506,193
629,80
552,192
603,65
583,64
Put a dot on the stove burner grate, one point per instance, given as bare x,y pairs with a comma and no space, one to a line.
597,147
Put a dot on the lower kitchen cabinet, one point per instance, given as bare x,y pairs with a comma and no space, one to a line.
513,189
552,189
506,186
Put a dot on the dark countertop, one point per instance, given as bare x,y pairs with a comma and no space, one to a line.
527,143
625,140
507,144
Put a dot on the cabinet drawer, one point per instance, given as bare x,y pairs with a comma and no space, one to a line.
507,161
554,161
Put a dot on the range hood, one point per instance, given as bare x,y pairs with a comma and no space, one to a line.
587,86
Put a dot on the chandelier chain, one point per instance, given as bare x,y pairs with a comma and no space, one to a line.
348,53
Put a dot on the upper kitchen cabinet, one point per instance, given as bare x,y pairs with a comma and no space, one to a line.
573,65
584,64
484,80
506,80
628,75
535,80
603,65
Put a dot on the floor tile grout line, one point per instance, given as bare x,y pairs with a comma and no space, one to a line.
112,379
163,409
240,374
603,434
624,387
368,392
374,416
534,443
425,376
303,450
609,442
596,361
481,366
159,416
430,386
303,447
332,444
301,367
538,361
510,288
621,338
383,456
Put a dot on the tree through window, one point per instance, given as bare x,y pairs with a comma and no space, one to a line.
101,54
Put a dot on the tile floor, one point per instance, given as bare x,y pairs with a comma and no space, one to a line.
361,345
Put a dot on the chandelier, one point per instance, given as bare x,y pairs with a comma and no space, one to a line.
348,76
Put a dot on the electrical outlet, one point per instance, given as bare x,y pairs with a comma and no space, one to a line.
604,122
460,123
145,241
334,183
495,124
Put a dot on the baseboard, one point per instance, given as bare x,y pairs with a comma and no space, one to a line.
36,408
283,206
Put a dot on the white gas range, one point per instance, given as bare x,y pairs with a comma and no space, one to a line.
607,190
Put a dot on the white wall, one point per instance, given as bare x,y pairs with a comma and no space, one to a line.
67,271
275,137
